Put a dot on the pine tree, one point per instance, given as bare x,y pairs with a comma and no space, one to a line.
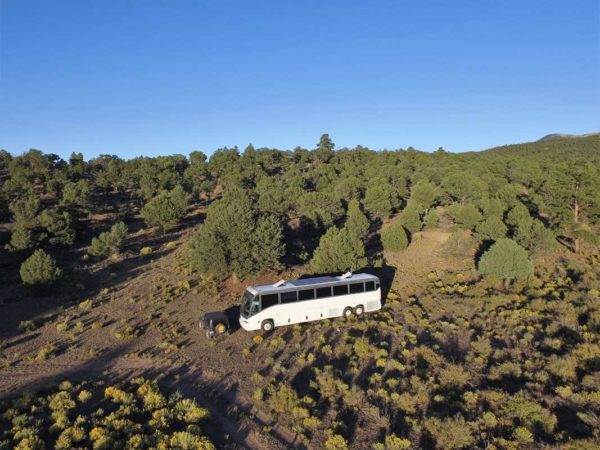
394,237
431,220
109,242
506,260
410,219
236,238
39,271
166,209
466,216
424,195
379,199
356,222
492,229
58,225
338,251
324,150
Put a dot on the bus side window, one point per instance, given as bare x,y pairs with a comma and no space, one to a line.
356,288
269,300
369,286
289,297
306,294
340,289
324,292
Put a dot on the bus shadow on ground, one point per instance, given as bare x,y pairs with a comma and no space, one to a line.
233,315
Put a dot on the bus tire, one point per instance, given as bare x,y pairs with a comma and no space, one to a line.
267,325
347,312
359,310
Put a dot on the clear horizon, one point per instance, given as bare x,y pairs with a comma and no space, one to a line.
158,78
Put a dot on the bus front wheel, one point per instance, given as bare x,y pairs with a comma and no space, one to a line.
267,325
347,312
359,310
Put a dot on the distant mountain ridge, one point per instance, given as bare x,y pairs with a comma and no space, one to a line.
551,137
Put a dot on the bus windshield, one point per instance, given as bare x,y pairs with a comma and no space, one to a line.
250,305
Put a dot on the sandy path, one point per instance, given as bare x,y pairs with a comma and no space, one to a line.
425,254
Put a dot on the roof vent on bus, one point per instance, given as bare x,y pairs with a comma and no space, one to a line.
346,275
280,283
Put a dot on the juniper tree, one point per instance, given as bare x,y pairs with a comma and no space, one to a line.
431,220
466,216
25,233
491,229
39,272
572,199
166,209
324,150
58,226
75,198
356,222
109,242
5,159
394,237
321,208
379,199
462,186
424,195
339,250
410,219
506,260
236,238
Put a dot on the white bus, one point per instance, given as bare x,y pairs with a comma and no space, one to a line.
287,302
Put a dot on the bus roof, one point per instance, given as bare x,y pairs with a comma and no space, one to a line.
309,282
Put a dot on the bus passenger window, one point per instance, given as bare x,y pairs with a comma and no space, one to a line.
289,297
269,300
369,286
306,294
341,289
324,292
356,288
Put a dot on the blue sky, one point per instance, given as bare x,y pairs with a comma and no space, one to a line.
162,77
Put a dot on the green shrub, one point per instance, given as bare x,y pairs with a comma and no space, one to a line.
236,238
466,216
410,218
336,442
450,433
394,237
338,251
431,220
21,238
109,242
507,260
58,224
39,271
166,209
492,229
27,325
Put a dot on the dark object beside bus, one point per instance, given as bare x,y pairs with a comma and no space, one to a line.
215,323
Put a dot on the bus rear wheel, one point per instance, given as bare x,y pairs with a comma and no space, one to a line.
347,312
359,310
267,325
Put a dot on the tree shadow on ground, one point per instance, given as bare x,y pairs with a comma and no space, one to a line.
229,426
82,279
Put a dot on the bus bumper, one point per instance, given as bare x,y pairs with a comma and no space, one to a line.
244,324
